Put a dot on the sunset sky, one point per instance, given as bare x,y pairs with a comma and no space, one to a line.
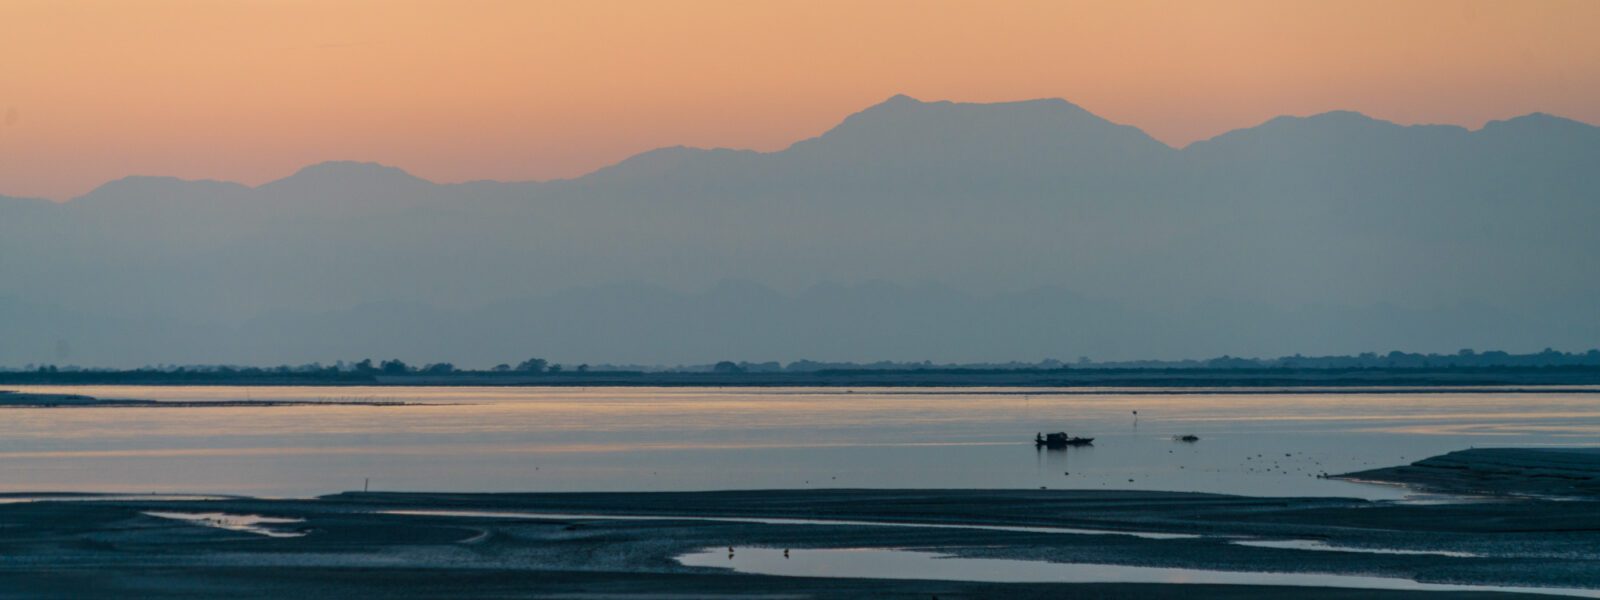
457,90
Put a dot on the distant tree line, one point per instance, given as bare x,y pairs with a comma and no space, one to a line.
364,369
1367,360
370,370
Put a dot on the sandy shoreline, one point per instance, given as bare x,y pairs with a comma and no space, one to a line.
358,544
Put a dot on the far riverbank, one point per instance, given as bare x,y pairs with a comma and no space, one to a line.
1275,379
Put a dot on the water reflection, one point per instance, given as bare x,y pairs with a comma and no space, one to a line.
256,524
548,439
873,563
1321,546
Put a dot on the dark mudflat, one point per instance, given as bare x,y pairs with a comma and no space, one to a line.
1500,471
112,549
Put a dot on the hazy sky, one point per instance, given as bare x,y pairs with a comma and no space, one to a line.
458,90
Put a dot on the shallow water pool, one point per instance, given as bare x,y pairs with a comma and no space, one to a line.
875,563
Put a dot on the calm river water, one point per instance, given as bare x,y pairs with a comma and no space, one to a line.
565,439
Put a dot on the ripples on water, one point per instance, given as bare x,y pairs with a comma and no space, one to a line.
550,439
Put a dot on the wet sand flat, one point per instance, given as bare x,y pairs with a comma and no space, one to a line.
354,545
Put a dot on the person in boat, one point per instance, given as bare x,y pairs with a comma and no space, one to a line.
1060,440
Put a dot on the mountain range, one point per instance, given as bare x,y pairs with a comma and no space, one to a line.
912,230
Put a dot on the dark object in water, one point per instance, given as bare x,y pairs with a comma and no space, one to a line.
1188,437
1059,440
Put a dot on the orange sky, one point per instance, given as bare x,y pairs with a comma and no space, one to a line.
457,90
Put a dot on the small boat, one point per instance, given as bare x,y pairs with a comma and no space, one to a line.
1059,440
1187,438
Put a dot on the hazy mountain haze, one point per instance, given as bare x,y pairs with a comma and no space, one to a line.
450,91
912,230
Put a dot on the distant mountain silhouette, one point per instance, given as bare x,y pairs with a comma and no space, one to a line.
345,182
906,146
987,229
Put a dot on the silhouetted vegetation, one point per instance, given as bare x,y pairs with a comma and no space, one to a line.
1466,367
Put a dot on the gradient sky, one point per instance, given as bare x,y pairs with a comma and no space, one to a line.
458,90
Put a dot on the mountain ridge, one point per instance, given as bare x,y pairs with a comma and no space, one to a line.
651,160
1304,234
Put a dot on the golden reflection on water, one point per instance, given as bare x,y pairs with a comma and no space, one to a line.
518,438
431,450
465,410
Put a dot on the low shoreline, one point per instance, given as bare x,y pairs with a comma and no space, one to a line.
13,399
399,544
1515,472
